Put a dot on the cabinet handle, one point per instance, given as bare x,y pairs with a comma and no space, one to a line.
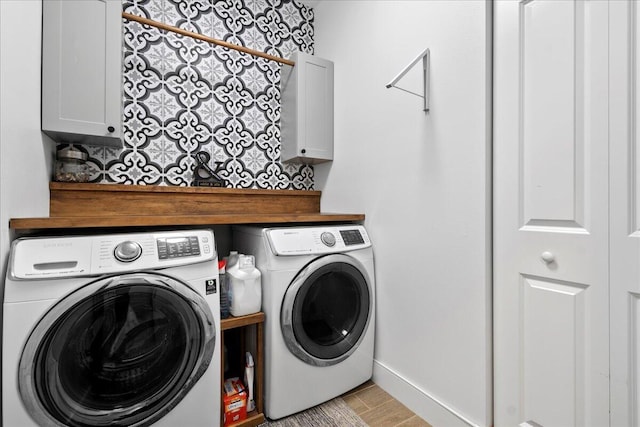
548,257
303,151
111,129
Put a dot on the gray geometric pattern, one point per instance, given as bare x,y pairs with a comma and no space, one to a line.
182,95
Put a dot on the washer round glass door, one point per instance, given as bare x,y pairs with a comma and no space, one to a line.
121,351
326,310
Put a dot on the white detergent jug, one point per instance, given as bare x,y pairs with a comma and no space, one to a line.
245,286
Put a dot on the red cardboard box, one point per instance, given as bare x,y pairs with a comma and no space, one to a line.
234,401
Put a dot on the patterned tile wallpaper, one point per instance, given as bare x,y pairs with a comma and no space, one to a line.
182,95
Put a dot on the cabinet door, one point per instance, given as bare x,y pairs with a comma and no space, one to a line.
307,110
625,214
82,70
551,299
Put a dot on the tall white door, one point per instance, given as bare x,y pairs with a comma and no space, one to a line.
625,213
551,257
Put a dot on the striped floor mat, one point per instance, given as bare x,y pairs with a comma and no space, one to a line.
334,413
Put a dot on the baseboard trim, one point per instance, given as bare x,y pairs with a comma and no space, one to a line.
428,407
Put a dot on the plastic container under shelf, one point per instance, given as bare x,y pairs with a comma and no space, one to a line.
224,289
245,287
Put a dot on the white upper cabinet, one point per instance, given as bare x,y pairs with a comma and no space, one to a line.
82,71
307,110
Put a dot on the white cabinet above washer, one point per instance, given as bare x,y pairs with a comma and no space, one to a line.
82,71
306,122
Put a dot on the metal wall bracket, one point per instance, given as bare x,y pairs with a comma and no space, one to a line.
425,56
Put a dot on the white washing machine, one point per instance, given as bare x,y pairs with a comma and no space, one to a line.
112,330
318,296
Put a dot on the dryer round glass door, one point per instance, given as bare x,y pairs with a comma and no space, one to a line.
123,350
326,310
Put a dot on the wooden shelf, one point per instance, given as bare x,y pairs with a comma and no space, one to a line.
175,220
76,206
255,417
237,322
108,200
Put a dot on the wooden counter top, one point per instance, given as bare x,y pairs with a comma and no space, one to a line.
74,205
175,220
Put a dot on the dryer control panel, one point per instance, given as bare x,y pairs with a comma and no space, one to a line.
317,240
55,257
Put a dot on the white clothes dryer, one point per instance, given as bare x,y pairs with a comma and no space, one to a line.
318,296
112,330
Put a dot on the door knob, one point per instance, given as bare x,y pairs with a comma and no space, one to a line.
548,257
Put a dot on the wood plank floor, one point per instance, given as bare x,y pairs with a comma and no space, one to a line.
379,409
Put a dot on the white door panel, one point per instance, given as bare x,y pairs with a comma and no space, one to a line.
625,214
554,346
551,118
550,213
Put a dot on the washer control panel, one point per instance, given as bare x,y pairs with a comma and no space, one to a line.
177,247
352,237
54,257
317,240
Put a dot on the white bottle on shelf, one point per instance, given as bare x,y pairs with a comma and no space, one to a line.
230,261
245,286
248,381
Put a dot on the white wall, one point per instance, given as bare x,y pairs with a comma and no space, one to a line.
423,181
26,156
